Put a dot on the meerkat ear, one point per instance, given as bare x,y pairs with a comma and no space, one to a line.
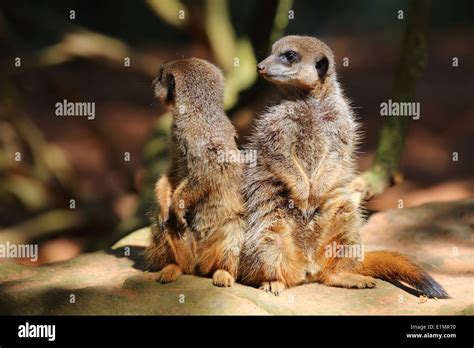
322,67
171,88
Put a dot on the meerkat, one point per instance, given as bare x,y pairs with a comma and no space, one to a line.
298,199
199,223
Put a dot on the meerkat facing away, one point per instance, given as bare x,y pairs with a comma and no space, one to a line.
300,206
199,222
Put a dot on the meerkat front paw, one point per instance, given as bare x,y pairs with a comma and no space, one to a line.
169,274
180,213
301,193
305,203
222,278
163,217
275,287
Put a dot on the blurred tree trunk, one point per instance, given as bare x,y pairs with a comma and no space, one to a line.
384,170
263,31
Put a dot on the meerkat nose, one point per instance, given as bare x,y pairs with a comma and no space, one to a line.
261,68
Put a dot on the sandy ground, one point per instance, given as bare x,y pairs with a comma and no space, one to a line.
114,283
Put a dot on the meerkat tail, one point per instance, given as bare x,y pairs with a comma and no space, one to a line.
395,268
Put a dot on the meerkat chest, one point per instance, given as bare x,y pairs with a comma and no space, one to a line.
309,146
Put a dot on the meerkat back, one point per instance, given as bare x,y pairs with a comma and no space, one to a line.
200,222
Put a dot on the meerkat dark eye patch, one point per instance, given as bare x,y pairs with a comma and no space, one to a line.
170,94
322,66
289,56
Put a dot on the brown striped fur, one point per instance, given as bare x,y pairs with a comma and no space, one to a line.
298,196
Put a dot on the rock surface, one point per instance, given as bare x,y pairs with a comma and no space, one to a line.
111,282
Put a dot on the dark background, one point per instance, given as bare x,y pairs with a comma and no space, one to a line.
83,160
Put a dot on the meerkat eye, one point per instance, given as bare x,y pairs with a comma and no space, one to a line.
170,94
322,66
289,56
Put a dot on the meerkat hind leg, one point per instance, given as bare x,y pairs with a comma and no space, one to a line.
350,280
169,273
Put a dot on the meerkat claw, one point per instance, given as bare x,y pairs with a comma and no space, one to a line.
162,223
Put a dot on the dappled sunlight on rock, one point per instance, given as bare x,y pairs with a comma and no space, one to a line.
113,282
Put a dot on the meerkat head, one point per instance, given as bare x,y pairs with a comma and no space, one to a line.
300,61
190,83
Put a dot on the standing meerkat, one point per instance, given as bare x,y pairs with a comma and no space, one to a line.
303,220
199,222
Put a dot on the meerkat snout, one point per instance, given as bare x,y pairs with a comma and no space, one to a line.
298,61
261,68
